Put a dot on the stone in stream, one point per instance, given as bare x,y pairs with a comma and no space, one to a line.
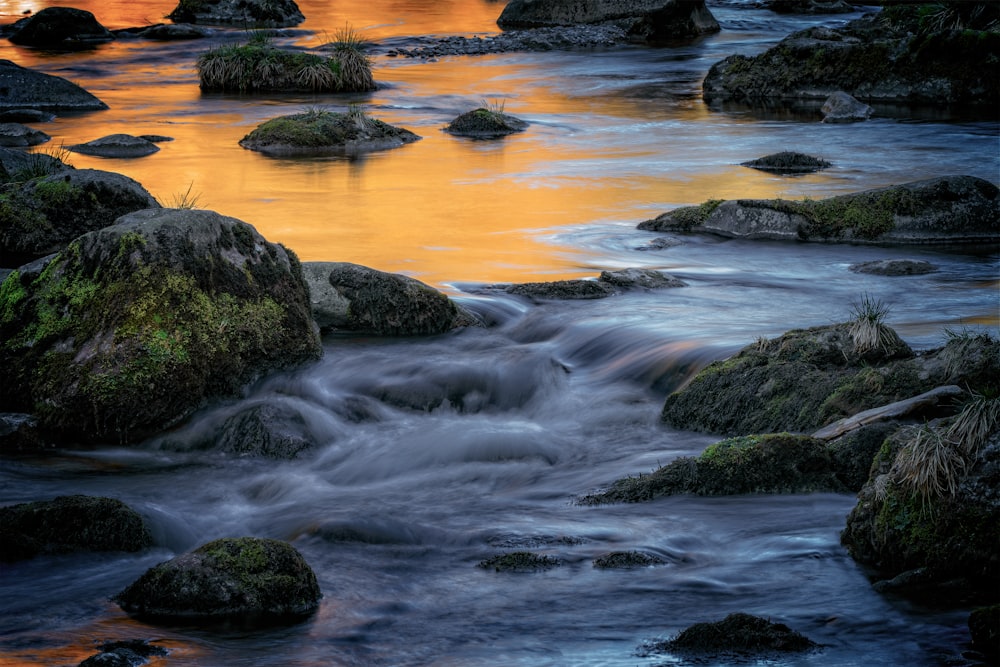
116,146
21,136
26,88
61,28
240,13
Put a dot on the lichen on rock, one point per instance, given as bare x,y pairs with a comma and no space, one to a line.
323,132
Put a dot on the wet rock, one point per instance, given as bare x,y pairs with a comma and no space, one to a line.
247,578
738,633
116,146
661,243
520,561
608,284
25,116
26,88
325,133
894,267
787,162
810,6
19,431
640,278
179,304
626,560
61,28
896,55
70,524
533,39
155,138
984,626
21,136
172,32
352,297
649,21
485,124
44,214
950,209
129,653
270,430
239,13
19,166
842,108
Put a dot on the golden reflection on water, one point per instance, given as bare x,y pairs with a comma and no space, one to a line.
443,209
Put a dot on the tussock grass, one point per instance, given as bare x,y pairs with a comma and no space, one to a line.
355,65
45,162
187,200
365,123
978,420
867,326
929,464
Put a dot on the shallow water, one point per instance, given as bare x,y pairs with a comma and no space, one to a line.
437,453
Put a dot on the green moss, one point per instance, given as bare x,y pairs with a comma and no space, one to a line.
260,66
12,296
687,218
866,215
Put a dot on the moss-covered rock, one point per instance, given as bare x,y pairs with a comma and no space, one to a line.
740,634
248,578
519,561
898,55
41,215
787,162
951,209
485,123
183,305
239,13
320,132
70,524
608,283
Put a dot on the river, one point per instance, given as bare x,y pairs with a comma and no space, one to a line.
437,453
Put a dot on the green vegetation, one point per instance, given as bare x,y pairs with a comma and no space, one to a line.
355,65
687,218
868,329
187,200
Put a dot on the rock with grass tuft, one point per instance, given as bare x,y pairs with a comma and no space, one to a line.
321,132
485,123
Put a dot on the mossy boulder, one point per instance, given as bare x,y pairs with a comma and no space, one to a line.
787,162
41,215
247,578
737,634
268,430
950,209
351,297
485,123
61,28
325,133
26,88
184,305
70,524
239,13
897,55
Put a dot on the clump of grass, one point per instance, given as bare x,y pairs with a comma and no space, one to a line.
357,115
48,161
973,426
187,200
867,326
355,65
495,106
929,464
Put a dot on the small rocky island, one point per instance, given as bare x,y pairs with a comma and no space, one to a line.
324,132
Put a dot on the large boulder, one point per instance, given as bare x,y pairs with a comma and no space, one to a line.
184,305
247,578
351,297
950,209
23,87
650,21
239,13
739,638
61,28
42,215
897,55
21,136
70,524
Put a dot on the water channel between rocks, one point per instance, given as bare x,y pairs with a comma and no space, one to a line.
440,452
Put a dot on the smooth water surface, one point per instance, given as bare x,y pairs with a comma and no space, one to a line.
437,453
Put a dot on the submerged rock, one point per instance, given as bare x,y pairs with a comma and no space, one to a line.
129,653
842,108
61,28
607,284
70,524
116,145
520,561
809,6
26,88
352,297
247,578
894,267
172,32
485,123
183,305
270,430
649,21
738,633
531,39
787,162
239,13
21,136
626,560
950,209
325,133
42,215
25,116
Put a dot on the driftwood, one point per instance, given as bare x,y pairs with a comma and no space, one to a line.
890,411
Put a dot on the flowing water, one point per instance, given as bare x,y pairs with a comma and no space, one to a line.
437,453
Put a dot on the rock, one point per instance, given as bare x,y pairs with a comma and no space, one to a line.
787,162
894,267
19,431
737,633
325,133
61,28
15,134
649,21
608,284
520,561
247,578
70,524
182,304
356,298
626,560
44,214
984,626
896,410
129,653
21,166
641,278
810,6
26,88
661,243
485,124
532,39
950,209
155,138
239,13
893,56
767,464
172,32
117,146
842,108
25,116
270,430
